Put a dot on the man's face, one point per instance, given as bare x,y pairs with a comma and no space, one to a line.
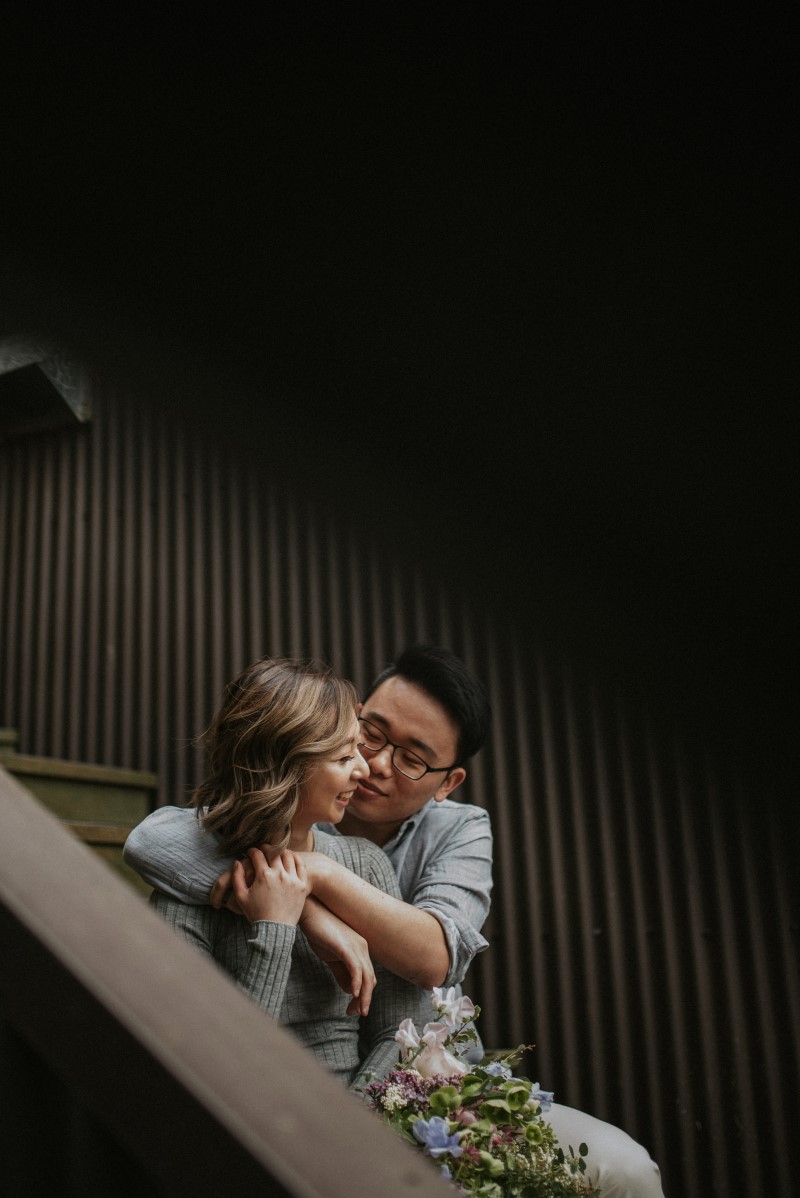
410,717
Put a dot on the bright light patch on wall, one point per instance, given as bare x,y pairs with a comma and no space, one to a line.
41,388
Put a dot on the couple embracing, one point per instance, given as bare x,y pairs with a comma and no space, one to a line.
327,869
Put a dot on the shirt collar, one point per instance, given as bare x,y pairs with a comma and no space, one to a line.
406,828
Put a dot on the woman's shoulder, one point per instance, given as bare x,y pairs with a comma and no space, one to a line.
359,855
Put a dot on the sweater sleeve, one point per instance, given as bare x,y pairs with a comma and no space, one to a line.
257,956
171,851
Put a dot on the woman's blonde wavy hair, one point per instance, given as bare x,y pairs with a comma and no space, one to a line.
278,719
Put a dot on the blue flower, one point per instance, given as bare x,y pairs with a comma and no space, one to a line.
543,1097
434,1134
496,1069
446,1174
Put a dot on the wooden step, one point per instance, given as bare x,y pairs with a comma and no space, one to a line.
106,840
79,790
100,804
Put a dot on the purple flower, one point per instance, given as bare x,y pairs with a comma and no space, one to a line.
543,1097
497,1069
406,1088
434,1134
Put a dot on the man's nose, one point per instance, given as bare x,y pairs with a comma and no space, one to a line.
380,762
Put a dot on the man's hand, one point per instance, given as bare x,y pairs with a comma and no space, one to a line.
278,889
222,891
344,952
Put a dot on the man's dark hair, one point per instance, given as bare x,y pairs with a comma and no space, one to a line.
444,677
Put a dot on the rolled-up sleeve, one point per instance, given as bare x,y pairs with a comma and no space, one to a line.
172,852
455,886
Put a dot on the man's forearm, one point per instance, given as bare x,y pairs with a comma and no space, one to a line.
406,940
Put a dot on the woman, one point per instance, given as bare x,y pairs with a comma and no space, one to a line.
283,754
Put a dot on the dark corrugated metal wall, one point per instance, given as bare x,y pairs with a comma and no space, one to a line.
644,923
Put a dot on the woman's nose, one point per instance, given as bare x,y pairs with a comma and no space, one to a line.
360,767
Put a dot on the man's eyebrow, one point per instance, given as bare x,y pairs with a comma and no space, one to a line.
374,718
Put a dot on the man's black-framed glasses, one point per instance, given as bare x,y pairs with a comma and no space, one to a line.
404,761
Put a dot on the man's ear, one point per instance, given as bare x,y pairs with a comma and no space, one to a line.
359,708
453,780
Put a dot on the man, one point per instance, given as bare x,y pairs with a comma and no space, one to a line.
421,720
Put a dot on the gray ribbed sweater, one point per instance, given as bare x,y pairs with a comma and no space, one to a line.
274,965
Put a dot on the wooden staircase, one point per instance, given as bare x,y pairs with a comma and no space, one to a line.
99,804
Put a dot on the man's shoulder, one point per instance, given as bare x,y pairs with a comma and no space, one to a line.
449,814
450,825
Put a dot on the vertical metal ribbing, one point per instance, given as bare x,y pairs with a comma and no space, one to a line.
91,633
750,996
535,965
330,595
13,558
554,858
197,600
73,651
179,602
644,921
613,856
315,574
233,532
588,930
676,1051
777,1019
28,607
9,553
287,577
67,535
508,921
127,695
253,582
700,947
44,583
648,1091
111,680
164,729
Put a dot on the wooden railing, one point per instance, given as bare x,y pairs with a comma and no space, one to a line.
130,1064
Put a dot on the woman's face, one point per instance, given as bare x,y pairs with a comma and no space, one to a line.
329,787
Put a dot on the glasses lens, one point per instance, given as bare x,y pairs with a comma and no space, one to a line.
371,737
409,764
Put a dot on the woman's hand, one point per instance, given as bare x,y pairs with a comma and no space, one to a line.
344,952
277,891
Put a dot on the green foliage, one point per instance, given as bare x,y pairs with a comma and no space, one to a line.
482,1128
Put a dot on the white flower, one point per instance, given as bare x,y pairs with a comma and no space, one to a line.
393,1098
407,1035
454,1010
434,1058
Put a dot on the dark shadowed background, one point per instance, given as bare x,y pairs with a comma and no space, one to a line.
519,299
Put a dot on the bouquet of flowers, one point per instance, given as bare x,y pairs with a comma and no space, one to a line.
480,1123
